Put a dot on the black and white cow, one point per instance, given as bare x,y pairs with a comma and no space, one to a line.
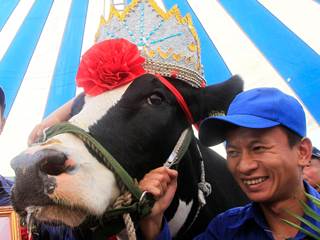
139,124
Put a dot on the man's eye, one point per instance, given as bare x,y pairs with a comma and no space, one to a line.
259,148
232,154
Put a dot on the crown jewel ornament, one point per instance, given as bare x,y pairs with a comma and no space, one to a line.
168,42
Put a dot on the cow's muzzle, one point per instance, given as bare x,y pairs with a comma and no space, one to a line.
35,177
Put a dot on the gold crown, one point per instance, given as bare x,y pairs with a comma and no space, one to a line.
168,41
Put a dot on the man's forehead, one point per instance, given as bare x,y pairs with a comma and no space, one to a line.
252,135
238,131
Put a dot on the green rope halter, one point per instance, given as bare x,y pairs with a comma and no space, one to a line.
141,203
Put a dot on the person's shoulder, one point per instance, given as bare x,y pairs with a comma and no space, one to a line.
236,211
234,216
226,224
311,190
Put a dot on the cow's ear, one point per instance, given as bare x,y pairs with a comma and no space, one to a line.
215,99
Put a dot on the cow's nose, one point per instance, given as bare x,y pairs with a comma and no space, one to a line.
47,161
36,172
53,163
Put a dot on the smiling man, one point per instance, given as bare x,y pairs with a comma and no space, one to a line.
264,132
267,150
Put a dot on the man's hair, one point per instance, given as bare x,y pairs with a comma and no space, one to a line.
2,100
293,138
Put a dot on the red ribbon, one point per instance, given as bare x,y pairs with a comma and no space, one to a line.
179,98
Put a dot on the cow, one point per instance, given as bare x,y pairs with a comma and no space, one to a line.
139,124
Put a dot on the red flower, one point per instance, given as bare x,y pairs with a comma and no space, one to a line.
109,64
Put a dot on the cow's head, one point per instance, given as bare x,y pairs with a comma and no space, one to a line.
139,123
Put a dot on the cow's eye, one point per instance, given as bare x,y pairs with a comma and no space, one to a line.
154,99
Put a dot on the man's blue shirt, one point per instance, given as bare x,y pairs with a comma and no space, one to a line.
5,188
246,223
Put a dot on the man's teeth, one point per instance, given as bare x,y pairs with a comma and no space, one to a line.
254,181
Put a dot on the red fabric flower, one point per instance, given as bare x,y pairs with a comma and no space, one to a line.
109,64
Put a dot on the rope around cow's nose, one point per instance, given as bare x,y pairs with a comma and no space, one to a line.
131,199
124,200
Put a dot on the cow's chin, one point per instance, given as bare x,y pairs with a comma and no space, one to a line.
59,214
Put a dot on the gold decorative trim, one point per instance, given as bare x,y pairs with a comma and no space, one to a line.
164,54
173,12
8,212
177,57
192,47
184,74
151,53
189,60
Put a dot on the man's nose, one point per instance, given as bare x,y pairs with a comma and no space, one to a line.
247,163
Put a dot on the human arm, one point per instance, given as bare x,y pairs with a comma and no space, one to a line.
60,115
162,184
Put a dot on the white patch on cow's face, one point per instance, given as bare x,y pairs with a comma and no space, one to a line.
96,107
90,187
180,217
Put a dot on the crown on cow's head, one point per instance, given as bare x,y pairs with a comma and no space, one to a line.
168,41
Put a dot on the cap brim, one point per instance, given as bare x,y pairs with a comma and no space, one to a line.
213,130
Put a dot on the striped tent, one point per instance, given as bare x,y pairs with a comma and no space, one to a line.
268,42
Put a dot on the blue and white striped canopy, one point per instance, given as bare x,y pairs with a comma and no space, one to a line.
268,42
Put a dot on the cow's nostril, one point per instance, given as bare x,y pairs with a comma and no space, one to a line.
53,164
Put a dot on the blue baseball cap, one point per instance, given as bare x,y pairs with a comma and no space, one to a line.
255,108
315,152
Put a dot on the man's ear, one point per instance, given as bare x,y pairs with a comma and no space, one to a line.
305,151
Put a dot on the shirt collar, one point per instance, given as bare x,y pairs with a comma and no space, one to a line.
254,213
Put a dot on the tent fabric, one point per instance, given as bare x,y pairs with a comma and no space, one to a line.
269,43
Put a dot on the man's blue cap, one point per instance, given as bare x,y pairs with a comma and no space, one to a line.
255,108
315,152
